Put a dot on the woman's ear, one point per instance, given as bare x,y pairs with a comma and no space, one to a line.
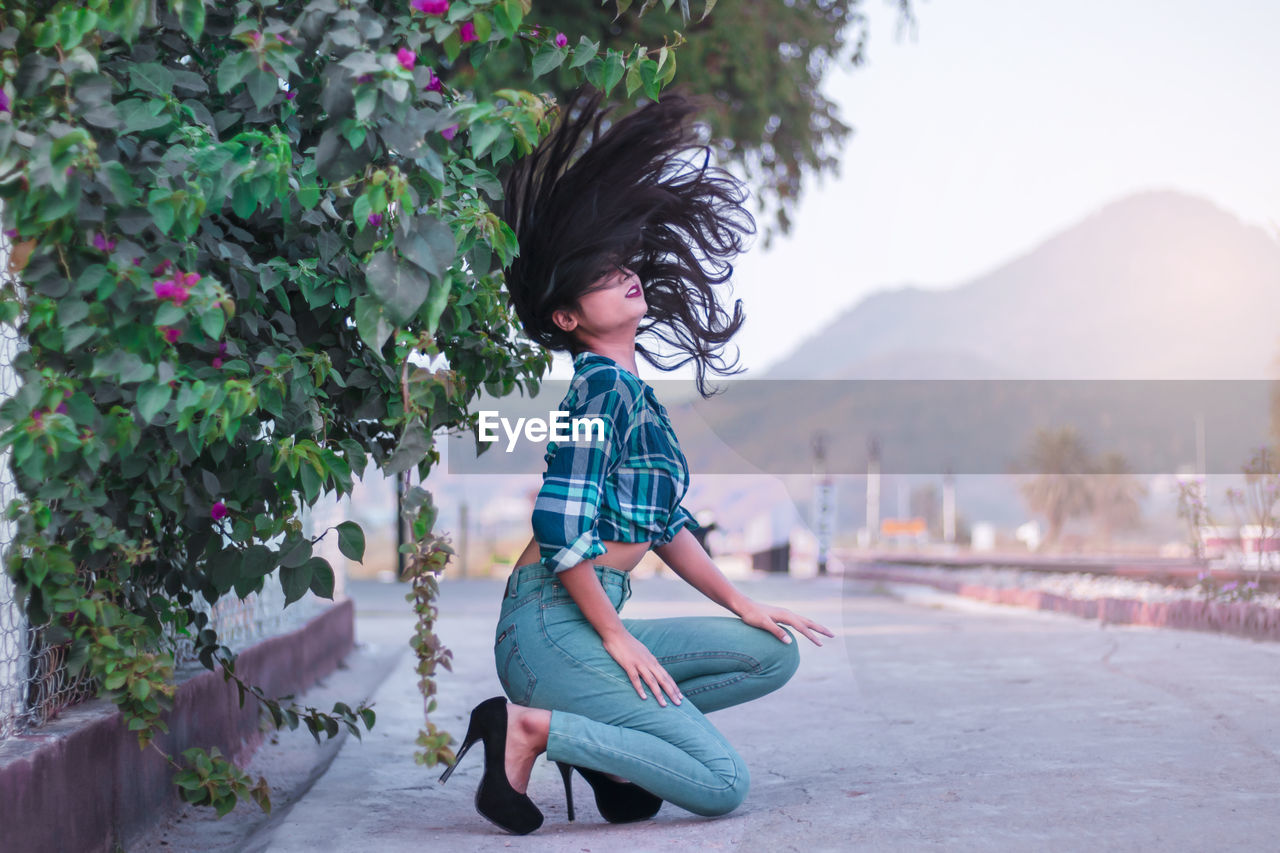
565,319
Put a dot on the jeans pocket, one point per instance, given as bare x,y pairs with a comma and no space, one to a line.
517,679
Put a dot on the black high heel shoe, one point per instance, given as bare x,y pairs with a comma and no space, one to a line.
496,801
618,802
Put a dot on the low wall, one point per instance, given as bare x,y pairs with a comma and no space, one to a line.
80,782
1229,617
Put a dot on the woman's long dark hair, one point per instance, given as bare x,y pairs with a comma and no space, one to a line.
626,201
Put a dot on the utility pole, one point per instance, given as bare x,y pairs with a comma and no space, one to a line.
873,490
822,500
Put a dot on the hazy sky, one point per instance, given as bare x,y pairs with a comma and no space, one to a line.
1000,123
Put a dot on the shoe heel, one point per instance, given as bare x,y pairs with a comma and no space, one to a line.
473,735
566,773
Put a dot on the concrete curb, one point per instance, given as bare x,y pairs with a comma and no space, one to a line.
82,783
1240,618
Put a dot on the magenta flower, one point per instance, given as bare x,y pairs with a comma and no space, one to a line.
4,102
291,94
467,31
256,38
171,288
102,244
172,333
12,233
162,267
406,58
365,78
434,84
217,362
561,39
37,415
450,131
431,7
218,511
375,219
222,348
283,39
137,262
62,409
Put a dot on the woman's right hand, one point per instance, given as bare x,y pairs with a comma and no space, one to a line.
640,665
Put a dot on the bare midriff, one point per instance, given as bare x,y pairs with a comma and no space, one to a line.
622,556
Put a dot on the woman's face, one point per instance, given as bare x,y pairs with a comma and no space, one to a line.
614,304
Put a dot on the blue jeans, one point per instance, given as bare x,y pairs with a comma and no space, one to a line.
549,656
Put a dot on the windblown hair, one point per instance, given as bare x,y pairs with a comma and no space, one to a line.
626,200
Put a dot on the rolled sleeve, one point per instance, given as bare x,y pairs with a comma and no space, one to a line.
567,508
680,518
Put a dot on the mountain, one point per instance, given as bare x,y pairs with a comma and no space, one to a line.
1157,285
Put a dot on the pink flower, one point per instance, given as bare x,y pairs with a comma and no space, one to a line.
162,267
375,219
222,348
256,38
137,262
365,78
62,409
37,415
561,39
406,58
449,132
431,7
467,31
283,39
171,288
4,102
434,84
217,362
218,511
171,334
102,244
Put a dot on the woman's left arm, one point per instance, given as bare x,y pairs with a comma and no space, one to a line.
688,559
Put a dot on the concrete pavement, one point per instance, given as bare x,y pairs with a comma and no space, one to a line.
930,721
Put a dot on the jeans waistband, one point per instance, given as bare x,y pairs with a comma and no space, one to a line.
532,576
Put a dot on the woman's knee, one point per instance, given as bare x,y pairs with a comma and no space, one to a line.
727,797
785,659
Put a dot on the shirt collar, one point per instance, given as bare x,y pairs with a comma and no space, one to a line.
587,355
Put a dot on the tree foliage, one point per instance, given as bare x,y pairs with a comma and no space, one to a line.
762,62
239,231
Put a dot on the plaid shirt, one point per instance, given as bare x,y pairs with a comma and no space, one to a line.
626,488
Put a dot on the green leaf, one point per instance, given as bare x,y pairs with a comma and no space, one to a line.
191,14
212,323
351,541
614,68
124,366
295,581
372,323
547,58
412,448
322,579
296,553
400,287
263,86
584,52
152,397
152,78
436,303
234,68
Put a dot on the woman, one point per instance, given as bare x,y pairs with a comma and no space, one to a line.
607,254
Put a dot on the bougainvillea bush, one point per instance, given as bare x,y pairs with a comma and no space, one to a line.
238,231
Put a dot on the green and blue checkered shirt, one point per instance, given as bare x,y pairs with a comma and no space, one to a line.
626,488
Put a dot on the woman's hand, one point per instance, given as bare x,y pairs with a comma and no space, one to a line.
770,618
639,663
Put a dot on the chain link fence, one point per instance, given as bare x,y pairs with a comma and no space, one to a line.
35,683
